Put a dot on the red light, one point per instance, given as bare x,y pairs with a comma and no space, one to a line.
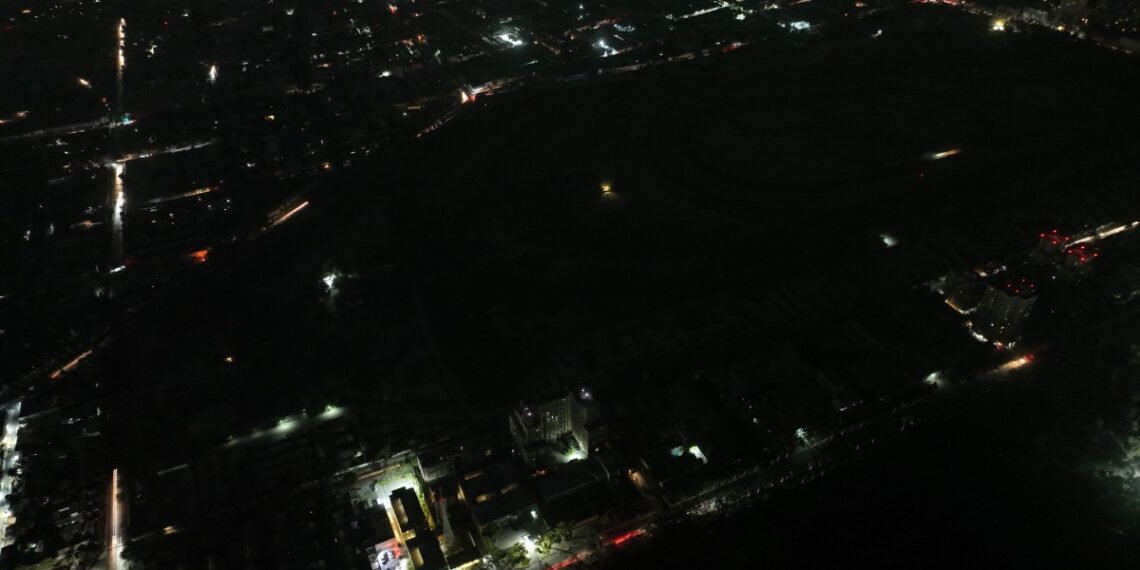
627,536
392,8
564,563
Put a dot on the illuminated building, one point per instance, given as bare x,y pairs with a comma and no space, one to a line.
1004,308
570,413
408,513
963,290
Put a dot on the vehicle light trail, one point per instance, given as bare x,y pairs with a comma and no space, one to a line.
627,537
118,202
71,364
190,194
114,525
946,154
15,117
1103,232
11,429
565,563
281,219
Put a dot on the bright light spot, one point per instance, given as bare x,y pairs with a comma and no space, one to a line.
740,17
677,451
946,154
212,74
998,26
799,25
1016,363
696,452
607,187
330,280
877,33
386,73
510,39
934,379
118,269
528,544
801,434
84,83
534,514
889,240
290,213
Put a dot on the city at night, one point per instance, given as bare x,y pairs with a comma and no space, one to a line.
581,285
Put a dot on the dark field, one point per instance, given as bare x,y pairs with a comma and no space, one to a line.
485,255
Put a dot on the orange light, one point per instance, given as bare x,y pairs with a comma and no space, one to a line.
199,256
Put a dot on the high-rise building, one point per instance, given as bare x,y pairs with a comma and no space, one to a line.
586,421
567,413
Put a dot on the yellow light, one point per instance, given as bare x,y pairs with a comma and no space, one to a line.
606,187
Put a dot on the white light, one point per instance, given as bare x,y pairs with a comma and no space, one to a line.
528,544
212,74
330,280
799,25
889,240
508,38
696,452
386,73
741,16
998,26
801,433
